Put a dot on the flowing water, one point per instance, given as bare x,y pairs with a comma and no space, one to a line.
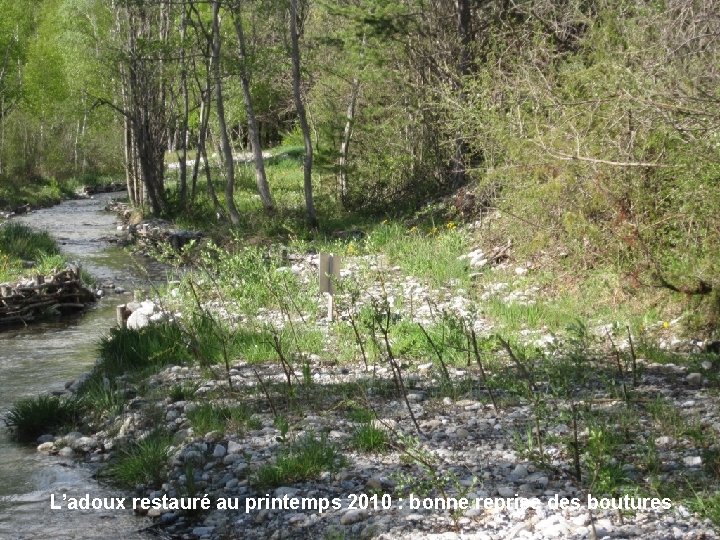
42,358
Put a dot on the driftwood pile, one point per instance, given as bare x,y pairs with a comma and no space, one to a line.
41,297
112,187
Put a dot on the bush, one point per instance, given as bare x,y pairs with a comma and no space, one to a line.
31,417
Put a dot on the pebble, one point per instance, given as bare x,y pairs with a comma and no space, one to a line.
353,516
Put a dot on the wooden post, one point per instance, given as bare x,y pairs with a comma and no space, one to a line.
39,280
120,313
328,274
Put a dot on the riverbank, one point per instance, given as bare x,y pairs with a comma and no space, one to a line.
415,390
21,198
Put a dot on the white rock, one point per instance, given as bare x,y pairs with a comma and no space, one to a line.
66,452
297,519
45,447
137,320
285,490
234,447
506,491
353,516
219,451
520,471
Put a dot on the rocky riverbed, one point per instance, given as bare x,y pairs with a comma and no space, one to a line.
472,449
459,447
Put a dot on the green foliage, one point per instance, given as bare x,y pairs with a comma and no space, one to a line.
303,460
182,392
142,462
707,505
31,417
430,254
154,346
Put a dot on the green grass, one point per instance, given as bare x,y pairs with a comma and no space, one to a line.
209,417
430,254
31,417
707,505
515,316
41,193
304,459
123,350
101,398
182,392
369,438
22,242
142,462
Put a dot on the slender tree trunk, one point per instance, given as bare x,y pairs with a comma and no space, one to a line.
211,188
302,117
464,30
202,133
75,147
182,191
224,138
254,136
345,145
83,156
2,130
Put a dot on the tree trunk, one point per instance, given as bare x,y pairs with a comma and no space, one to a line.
182,155
224,138
302,117
210,187
345,145
254,135
464,30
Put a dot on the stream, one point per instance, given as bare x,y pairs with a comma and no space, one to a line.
41,358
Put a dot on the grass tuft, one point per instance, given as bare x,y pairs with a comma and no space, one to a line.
369,438
142,462
305,459
31,417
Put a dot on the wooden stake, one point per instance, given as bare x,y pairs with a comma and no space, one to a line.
120,313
